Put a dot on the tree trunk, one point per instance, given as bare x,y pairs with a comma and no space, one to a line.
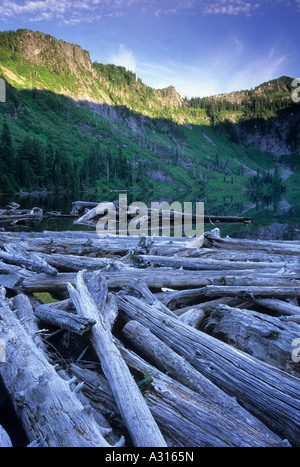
92,301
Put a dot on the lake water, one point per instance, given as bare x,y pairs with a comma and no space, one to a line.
272,219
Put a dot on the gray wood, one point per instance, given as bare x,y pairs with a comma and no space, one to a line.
268,392
44,403
280,306
265,337
5,441
92,301
63,319
16,254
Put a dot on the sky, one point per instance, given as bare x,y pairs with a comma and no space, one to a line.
201,47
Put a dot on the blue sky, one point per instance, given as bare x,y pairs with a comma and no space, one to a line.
201,47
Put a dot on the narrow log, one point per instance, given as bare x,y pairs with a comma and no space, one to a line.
214,264
262,336
267,392
240,291
292,318
92,301
280,306
21,304
62,319
44,403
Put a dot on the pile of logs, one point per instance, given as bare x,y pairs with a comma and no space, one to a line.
149,343
12,215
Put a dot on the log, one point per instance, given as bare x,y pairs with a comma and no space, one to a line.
23,308
292,318
265,391
154,278
44,403
92,301
262,336
5,441
196,264
240,291
17,255
280,306
63,320
190,418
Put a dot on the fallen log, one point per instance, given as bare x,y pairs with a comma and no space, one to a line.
280,306
63,319
17,255
155,278
212,264
44,403
249,291
92,301
265,391
184,416
5,441
262,336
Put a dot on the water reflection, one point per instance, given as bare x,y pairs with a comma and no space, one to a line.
276,218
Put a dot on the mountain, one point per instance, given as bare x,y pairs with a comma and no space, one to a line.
72,124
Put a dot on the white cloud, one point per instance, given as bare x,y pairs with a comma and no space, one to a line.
124,57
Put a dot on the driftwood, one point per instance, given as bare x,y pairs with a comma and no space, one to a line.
48,409
92,301
265,337
267,392
15,216
205,421
15,254
280,306
5,441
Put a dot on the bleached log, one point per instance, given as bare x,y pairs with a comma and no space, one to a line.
15,254
91,300
292,318
267,392
280,306
214,264
205,418
247,291
262,336
44,403
5,441
21,304
62,319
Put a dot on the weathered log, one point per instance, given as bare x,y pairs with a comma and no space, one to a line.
44,403
267,392
280,306
15,254
205,418
292,318
156,278
92,301
206,307
262,336
193,317
214,264
5,441
21,304
248,291
62,319
213,239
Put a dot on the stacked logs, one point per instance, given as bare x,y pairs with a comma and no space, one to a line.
149,343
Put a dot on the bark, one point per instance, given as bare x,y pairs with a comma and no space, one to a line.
92,301
269,393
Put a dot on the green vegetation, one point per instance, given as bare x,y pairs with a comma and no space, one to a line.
69,124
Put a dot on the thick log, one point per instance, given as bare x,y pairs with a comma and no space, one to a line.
92,301
62,319
267,392
44,403
262,336
280,306
5,441
205,418
156,278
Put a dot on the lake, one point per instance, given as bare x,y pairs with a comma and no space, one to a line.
277,219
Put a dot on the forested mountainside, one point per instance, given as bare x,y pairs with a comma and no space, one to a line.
70,124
